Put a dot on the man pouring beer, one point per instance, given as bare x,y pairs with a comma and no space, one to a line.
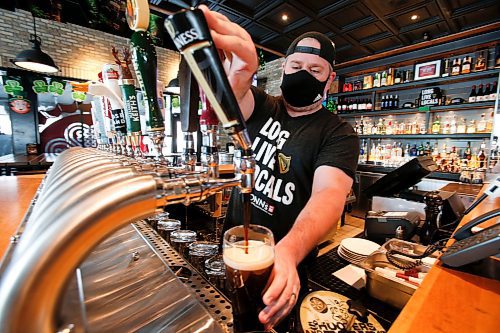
305,156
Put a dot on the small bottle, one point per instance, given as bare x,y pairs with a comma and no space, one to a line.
396,101
467,152
436,125
471,129
480,94
398,78
480,62
493,92
481,157
462,126
383,80
376,80
489,123
355,105
383,103
369,105
486,93
455,68
447,68
374,128
420,149
473,94
390,103
453,125
481,124
390,77
466,65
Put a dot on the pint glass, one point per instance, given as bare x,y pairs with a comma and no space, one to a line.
248,268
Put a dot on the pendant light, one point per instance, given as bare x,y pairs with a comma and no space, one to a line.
173,87
35,59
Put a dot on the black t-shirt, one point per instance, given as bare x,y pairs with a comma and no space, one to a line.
287,152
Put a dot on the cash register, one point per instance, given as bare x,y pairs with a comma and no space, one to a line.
402,221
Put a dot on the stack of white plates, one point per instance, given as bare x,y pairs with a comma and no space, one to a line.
355,250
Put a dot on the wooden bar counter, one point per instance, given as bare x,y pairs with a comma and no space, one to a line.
453,301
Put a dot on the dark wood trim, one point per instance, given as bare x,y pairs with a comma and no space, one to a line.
434,42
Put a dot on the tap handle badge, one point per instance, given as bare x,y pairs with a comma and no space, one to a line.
191,36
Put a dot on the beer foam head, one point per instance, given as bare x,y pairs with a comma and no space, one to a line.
259,256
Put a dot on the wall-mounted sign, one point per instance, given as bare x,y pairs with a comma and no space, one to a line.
56,88
40,87
78,96
13,87
20,105
430,97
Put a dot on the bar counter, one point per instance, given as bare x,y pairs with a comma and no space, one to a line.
447,301
454,301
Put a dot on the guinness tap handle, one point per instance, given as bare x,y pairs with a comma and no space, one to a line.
191,36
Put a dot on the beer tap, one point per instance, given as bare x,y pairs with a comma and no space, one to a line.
189,101
145,65
191,35
132,117
110,77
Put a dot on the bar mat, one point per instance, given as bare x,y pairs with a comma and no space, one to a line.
321,278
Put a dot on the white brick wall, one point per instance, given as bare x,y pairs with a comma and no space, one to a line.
79,52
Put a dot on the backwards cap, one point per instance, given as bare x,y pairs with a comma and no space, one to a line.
327,50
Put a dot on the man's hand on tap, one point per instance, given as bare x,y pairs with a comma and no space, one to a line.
241,61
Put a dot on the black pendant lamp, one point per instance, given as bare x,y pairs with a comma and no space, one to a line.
173,87
35,59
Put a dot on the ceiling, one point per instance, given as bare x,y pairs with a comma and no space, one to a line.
358,28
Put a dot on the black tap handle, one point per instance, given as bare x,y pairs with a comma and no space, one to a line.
189,98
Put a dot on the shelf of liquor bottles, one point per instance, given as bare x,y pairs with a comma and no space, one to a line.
460,136
439,108
423,83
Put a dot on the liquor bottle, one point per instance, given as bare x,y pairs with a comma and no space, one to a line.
373,151
362,151
355,105
383,103
480,94
383,80
481,157
396,102
467,152
481,124
472,127
395,127
494,157
455,68
420,149
493,92
356,126
374,128
427,149
390,77
383,128
406,153
480,62
390,103
421,129
402,128
376,80
487,92
350,106
447,67
369,105
361,126
413,150
489,123
453,125
462,126
466,65
436,125
473,94
389,128
398,78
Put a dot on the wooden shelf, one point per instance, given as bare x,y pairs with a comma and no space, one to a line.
423,83
466,136
444,108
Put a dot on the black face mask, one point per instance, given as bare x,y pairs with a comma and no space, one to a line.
302,89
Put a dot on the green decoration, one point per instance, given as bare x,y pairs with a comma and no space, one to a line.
13,87
57,88
40,87
78,96
175,102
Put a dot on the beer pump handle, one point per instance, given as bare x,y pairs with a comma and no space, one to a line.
189,98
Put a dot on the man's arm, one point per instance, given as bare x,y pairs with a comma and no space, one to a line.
321,213
240,61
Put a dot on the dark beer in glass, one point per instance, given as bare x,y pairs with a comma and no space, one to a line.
248,268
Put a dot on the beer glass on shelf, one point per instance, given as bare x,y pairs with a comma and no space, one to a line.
249,261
